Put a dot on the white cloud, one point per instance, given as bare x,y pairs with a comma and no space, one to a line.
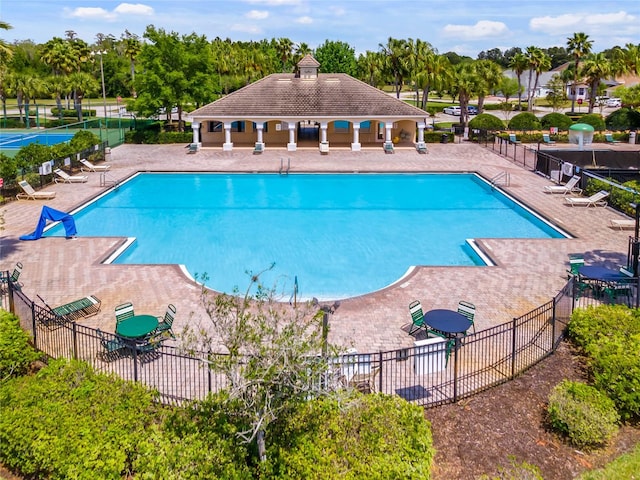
482,29
244,28
90,12
257,14
133,9
576,22
304,20
338,11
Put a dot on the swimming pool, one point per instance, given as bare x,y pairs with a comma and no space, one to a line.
17,140
340,234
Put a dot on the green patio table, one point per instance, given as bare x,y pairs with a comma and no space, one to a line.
137,326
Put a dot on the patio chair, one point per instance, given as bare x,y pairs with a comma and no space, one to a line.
112,346
622,288
81,308
388,147
13,278
417,317
546,139
468,310
576,260
324,148
609,138
259,148
124,311
192,148
421,148
31,194
595,200
569,187
623,223
365,382
513,138
166,322
66,178
91,167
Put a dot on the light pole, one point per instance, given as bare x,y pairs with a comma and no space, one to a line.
104,93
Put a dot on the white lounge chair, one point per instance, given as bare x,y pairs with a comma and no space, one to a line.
93,168
66,178
31,194
622,223
569,187
595,200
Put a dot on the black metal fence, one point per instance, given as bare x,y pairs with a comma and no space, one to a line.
432,372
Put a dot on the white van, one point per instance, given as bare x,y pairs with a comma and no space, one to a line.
614,102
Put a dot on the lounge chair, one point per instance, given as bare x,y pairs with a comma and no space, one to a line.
595,200
81,308
31,194
569,187
388,147
468,310
93,168
609,138
193,148
324,148
365,382
547,139
513,139
166,322
623,224
66,178
421,148
259,148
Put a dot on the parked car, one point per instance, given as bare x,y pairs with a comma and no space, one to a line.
614,102
471,110
453,110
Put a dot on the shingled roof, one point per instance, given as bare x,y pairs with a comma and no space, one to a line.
330,95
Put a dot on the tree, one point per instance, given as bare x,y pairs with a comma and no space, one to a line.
519,64
437,74
508,87
490,74
132,48
5,55
370,68
579,46
82,84
557,93
272,361
336,57
465,81
538,62
495,55
594,69
285,49
394,52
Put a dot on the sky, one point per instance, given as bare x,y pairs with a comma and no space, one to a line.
466,27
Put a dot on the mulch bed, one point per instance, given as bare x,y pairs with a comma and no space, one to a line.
478,435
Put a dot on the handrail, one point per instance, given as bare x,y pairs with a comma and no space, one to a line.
505,176
282,170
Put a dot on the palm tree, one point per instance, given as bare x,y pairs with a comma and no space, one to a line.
6,53
5,49
284,48
393,52
370,68
538,62
490,74
519,63
302,49
465,82
628,58
82,84
594,69
132,48
414,61
437,74
579,46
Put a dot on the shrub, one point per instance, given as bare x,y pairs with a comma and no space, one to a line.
589,325
83,140
595,120
556,119
585,415
72,112
486,121
623,119
16,353
524,121
367,436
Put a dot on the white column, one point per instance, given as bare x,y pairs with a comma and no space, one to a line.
421,127
323,131
355,145
227,146
387,132
291,146
260,127
195,126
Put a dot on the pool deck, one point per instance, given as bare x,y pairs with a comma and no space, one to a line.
529,272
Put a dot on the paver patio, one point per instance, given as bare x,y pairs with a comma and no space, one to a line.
528,274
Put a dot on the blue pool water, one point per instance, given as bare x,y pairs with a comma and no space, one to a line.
17,140
340,234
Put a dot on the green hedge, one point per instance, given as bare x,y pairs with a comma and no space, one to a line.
16,352
363,436
609,336
72,112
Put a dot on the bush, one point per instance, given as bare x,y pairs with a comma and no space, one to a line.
582,413
72,112
556,119
595,120
83,140
367,436
16,353
486,121
623,119
524,121
610,338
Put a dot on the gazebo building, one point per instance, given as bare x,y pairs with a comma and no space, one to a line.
308,109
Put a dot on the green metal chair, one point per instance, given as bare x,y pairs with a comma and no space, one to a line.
576,260
468,310
622,288
166,323
112,346
417,317
124,311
